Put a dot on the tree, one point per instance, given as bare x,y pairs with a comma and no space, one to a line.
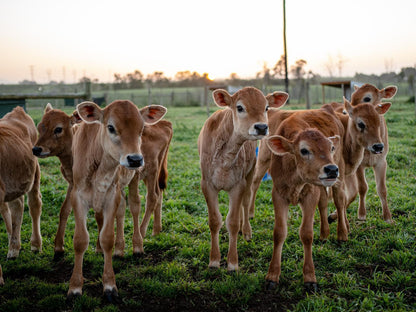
280,67
135,79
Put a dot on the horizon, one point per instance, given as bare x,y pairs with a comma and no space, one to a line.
69,40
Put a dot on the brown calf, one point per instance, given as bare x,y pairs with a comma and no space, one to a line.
362,133
304,160
19,175
55,139
108,141
226,146
357,184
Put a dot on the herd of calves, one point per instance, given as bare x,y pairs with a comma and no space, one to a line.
313,156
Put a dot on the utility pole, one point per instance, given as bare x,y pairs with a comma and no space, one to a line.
284,47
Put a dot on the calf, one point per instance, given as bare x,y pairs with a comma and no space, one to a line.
226,146
375,159
19,175
304,160
55,139
107,142
362,133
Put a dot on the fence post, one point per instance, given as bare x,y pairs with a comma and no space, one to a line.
308,102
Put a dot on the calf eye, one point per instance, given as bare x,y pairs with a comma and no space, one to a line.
57,130
332,148
304,152
367,99
361,125
240,108
267,108
111,129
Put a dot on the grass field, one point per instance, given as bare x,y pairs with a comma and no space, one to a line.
375,270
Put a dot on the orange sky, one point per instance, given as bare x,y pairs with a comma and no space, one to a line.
65,40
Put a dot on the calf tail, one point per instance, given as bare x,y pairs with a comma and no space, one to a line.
163,174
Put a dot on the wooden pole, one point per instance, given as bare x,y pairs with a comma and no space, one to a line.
284,47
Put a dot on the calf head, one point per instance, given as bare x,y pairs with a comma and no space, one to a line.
366,124
368,93
249,108
55,132
121,127
313,153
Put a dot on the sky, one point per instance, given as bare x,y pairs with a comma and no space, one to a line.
66,40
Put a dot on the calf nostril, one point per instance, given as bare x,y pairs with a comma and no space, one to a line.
378,147
135,160
331,170
37,151
261,128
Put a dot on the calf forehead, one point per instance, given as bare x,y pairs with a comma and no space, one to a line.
125,115
252,98
51,119
315,140
368,114
365,90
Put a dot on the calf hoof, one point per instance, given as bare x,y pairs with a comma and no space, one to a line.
311,288
271,285
138,255
58,255
111,295
71,297
13,254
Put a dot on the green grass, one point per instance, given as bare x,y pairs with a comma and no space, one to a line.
375,270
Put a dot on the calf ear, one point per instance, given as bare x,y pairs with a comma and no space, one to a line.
277,99
347,106
279,145
336,140
90,112
153,113
388,92
48,108
75,118
221,97
382,108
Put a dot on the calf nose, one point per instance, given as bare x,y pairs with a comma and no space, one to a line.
261,129
377,148
37,151
331,171
135,160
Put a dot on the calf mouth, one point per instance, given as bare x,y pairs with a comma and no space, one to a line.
328,181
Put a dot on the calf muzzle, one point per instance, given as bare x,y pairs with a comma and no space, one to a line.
377,148
135,160
261,128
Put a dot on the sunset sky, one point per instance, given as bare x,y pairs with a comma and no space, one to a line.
65,40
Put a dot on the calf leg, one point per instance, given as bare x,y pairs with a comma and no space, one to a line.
245,225
281,208
81,240
7,217
16,208
340,204
308,205
107,243
120,241
35,210
233,225
152,203
63,220
362,189
215,223
380,174
262,164
323,212
134,205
